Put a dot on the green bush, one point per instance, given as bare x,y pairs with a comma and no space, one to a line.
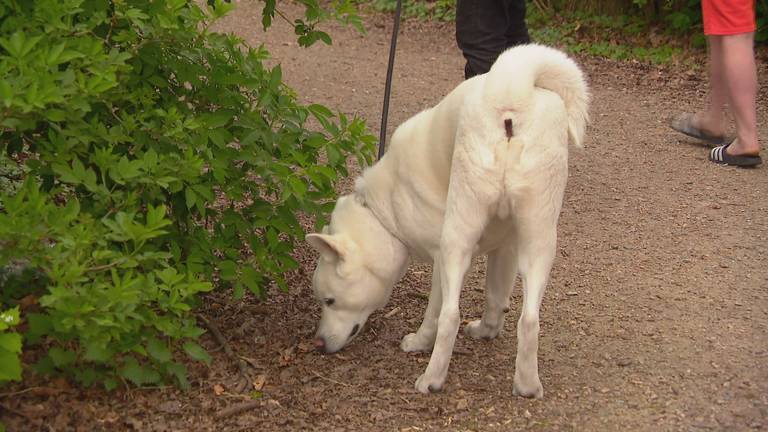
149,157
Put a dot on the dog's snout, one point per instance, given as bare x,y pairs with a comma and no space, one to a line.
320,344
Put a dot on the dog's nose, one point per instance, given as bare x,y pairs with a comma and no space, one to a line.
320,344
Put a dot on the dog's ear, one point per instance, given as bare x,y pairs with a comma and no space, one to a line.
330,247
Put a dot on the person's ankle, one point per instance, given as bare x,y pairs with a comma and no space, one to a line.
708,124
744,147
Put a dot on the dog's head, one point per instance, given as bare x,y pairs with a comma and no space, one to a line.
359,264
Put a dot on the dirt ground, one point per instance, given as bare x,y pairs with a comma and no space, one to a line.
655,319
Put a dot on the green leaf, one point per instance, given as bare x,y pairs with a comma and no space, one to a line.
110,384
9,318
268,13
10,366
6,93
298,187
320,111
190,198
179,371
61,358
44,366
324,37
97,351
39,325
275,77
158,350
197,352
137,373
10,342
218,118
87,376
251,278
238,291
227,270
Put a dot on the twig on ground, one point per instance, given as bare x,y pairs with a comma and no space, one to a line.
461,351
330,379
542,6
385,316
241,366
26,390
392,312
252,362
157,387
238,408
418,294
15,411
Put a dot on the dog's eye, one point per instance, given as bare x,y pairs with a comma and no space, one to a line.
329,301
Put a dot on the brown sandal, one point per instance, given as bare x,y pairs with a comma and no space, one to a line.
684,124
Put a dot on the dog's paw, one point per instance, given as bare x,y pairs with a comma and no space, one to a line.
479,330
532,390
413,343
426,385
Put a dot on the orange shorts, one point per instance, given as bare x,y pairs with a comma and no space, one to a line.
728,17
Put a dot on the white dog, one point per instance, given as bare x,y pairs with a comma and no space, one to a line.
483,172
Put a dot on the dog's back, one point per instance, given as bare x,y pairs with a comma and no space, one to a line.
536,88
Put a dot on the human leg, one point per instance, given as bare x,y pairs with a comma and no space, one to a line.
738,62
729,26
517,30
712,118
480,33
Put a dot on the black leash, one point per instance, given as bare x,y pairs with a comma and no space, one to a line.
388,84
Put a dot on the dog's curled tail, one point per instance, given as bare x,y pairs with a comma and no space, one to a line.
511,80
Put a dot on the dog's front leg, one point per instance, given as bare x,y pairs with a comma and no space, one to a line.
424,338
462,229
452,274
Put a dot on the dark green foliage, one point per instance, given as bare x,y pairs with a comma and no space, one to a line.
681,18
656,31
144,157
441,10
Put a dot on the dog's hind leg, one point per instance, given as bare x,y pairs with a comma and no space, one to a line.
424,338
536,242
499,282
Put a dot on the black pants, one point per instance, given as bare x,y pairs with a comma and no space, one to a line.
485,28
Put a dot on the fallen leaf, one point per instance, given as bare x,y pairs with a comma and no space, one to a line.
287,356
27,302
60,384
134,423
170,407
259,382
218,389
